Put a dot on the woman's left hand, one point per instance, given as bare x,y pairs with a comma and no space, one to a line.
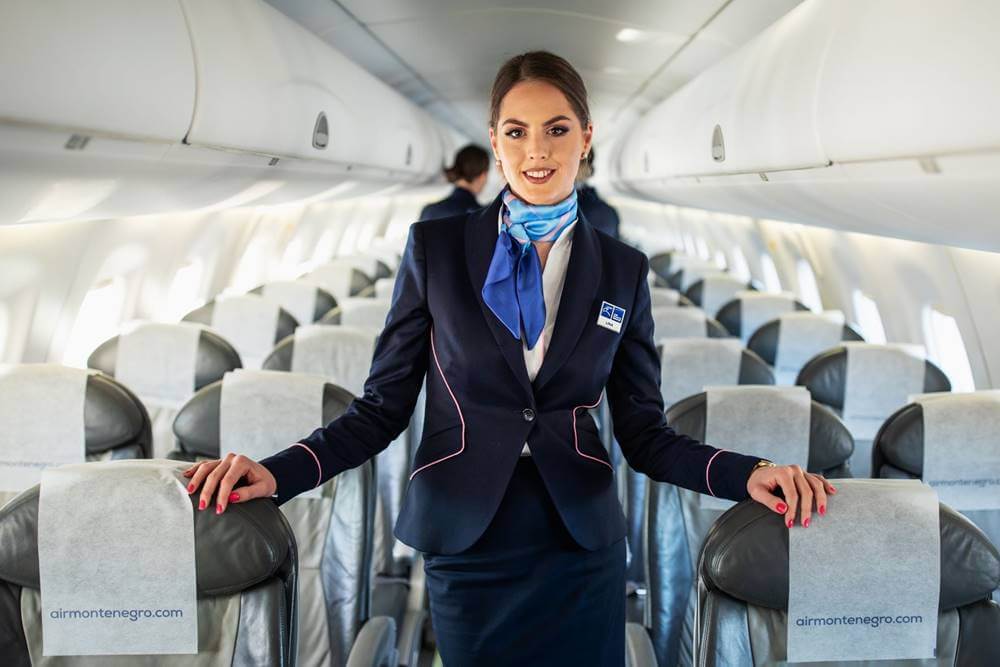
801,490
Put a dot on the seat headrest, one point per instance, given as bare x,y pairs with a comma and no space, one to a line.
825,375
660,264
343,278
696,292
830,443
359,311
765,340
233,551
324,302
197,424
731,315
746,556
215,357
286,323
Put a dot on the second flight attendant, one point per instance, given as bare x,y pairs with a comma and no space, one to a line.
519,315
468,175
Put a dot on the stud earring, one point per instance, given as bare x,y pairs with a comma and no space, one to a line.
498,164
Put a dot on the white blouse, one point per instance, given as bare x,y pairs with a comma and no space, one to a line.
553,279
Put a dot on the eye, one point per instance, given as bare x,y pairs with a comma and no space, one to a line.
558,130
515,133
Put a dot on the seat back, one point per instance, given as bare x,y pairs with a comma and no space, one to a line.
666,297
111,419
876,390
676,525
744,585
660,264
791,340
672,322
750,310
686,271
305,302
359,312
165,364
343,355
251,323
332,526
714,291
246,587
384,288
961,431
342,278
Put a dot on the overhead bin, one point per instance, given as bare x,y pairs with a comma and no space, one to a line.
852,114
118,66
268,85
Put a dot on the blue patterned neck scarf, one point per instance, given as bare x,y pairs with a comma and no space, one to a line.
513,287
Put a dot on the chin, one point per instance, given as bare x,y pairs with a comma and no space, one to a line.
542,195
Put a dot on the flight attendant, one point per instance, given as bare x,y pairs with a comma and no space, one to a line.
468,174
520,315
601,215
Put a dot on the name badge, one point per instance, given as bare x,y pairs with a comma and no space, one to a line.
611,317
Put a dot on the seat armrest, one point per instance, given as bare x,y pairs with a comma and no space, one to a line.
638,647
375,645
411,638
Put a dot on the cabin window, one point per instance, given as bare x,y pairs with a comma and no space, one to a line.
689,245
808,289
867,315
701,247
249,271
946,348
720,260
772,283
183,295
739,266
97,320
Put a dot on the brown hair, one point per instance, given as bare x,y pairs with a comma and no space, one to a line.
540,66
471,162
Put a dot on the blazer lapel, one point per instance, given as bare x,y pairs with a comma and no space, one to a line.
583,276
480,241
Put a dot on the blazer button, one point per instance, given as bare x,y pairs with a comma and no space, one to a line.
528,414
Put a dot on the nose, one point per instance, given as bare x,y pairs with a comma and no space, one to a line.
538,147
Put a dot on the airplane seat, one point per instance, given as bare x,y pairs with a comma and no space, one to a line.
660,264
359,312
347,367
665,297
676,525
689,270
712,292
744,580
246,587
766,341
157,383
898,448
731,315
115,422
671,322
306,303
251,323
384,288
825,376
342,278
333,528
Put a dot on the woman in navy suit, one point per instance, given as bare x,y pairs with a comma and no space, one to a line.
522,318
468,175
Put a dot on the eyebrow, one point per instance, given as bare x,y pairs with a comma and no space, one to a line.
550,121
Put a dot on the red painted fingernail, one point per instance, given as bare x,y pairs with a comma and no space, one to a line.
190,488
233,497
218,509
781,508
201,505
805,524
822,510
833,490
789,523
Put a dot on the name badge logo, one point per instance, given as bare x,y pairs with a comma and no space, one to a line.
611,317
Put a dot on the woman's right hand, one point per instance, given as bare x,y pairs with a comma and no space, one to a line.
218,478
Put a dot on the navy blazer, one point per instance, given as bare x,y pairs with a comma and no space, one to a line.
601,215
481,407
459,202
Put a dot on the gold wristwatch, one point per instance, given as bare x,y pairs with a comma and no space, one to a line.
763,463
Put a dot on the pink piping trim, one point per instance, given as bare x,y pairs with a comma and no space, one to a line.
457,407
576,439
707,466
319,480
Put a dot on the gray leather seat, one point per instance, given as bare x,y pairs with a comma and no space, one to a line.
695,293
285,326
360,312
325,302
342,277
334,537
391,586
825,376
693,269
660,264
676,526
898,453
766,339
730,316
215,357
246,583
713,329
116,423
743,581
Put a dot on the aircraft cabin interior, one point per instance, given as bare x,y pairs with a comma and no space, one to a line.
299,249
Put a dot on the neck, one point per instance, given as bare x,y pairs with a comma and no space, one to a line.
531,203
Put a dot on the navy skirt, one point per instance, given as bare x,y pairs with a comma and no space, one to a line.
526,593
